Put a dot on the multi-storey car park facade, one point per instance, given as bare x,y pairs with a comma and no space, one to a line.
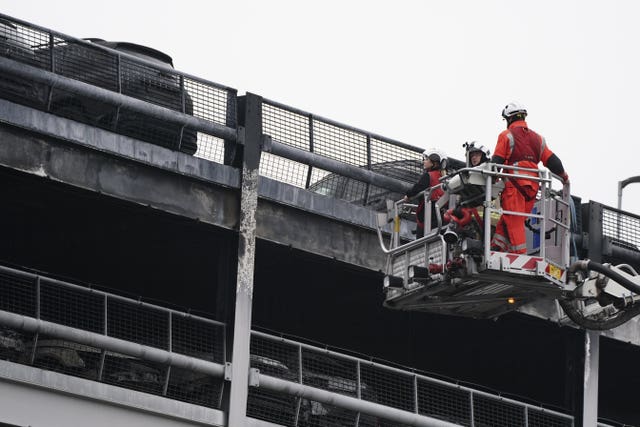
173,253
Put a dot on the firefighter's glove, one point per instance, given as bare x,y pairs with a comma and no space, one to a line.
565,177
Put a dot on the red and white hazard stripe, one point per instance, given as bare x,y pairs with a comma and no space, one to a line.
522,262
527,265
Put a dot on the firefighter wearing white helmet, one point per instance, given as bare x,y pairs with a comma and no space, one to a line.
476,153
434,162
520,146
514,111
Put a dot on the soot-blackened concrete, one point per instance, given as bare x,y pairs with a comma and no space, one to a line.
130,249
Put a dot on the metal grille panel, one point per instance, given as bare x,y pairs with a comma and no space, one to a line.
72,307
194,387
131,322
195,338
337,142
22,43
286,127
82,308
63,356
85,63
495,412
277,359
135,374
340,144
391,388
395,161
283,170
329,373
623,228
399,265
444,401
18,294
417,257
95,63
210,148
377,383
273,407
539,418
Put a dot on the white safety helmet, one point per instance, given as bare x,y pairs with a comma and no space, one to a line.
473,146
513,109
436,155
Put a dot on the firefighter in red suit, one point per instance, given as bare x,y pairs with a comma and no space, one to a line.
434,163
519,146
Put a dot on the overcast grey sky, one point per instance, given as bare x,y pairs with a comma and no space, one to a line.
428,73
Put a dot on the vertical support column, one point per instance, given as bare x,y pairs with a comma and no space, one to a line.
591,368
251,119
592,338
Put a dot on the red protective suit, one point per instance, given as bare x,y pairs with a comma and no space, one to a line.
518,146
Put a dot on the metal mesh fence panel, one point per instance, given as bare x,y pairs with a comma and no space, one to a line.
85,63
391,388
73,307
64,356
99,63
80,308
18,294
21,43
329,372
336,142
211,103
159,132
622,228
323,186
321,414
14,345
277,359
149,84
354,191
135,374
494,412
444,401
283,170
197,338
210,148
137,323
395,161
540,418
340,144
379,384
274,407
194,387
286,126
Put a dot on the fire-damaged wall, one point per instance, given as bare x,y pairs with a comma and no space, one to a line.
135,250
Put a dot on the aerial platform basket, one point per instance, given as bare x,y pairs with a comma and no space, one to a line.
452,269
